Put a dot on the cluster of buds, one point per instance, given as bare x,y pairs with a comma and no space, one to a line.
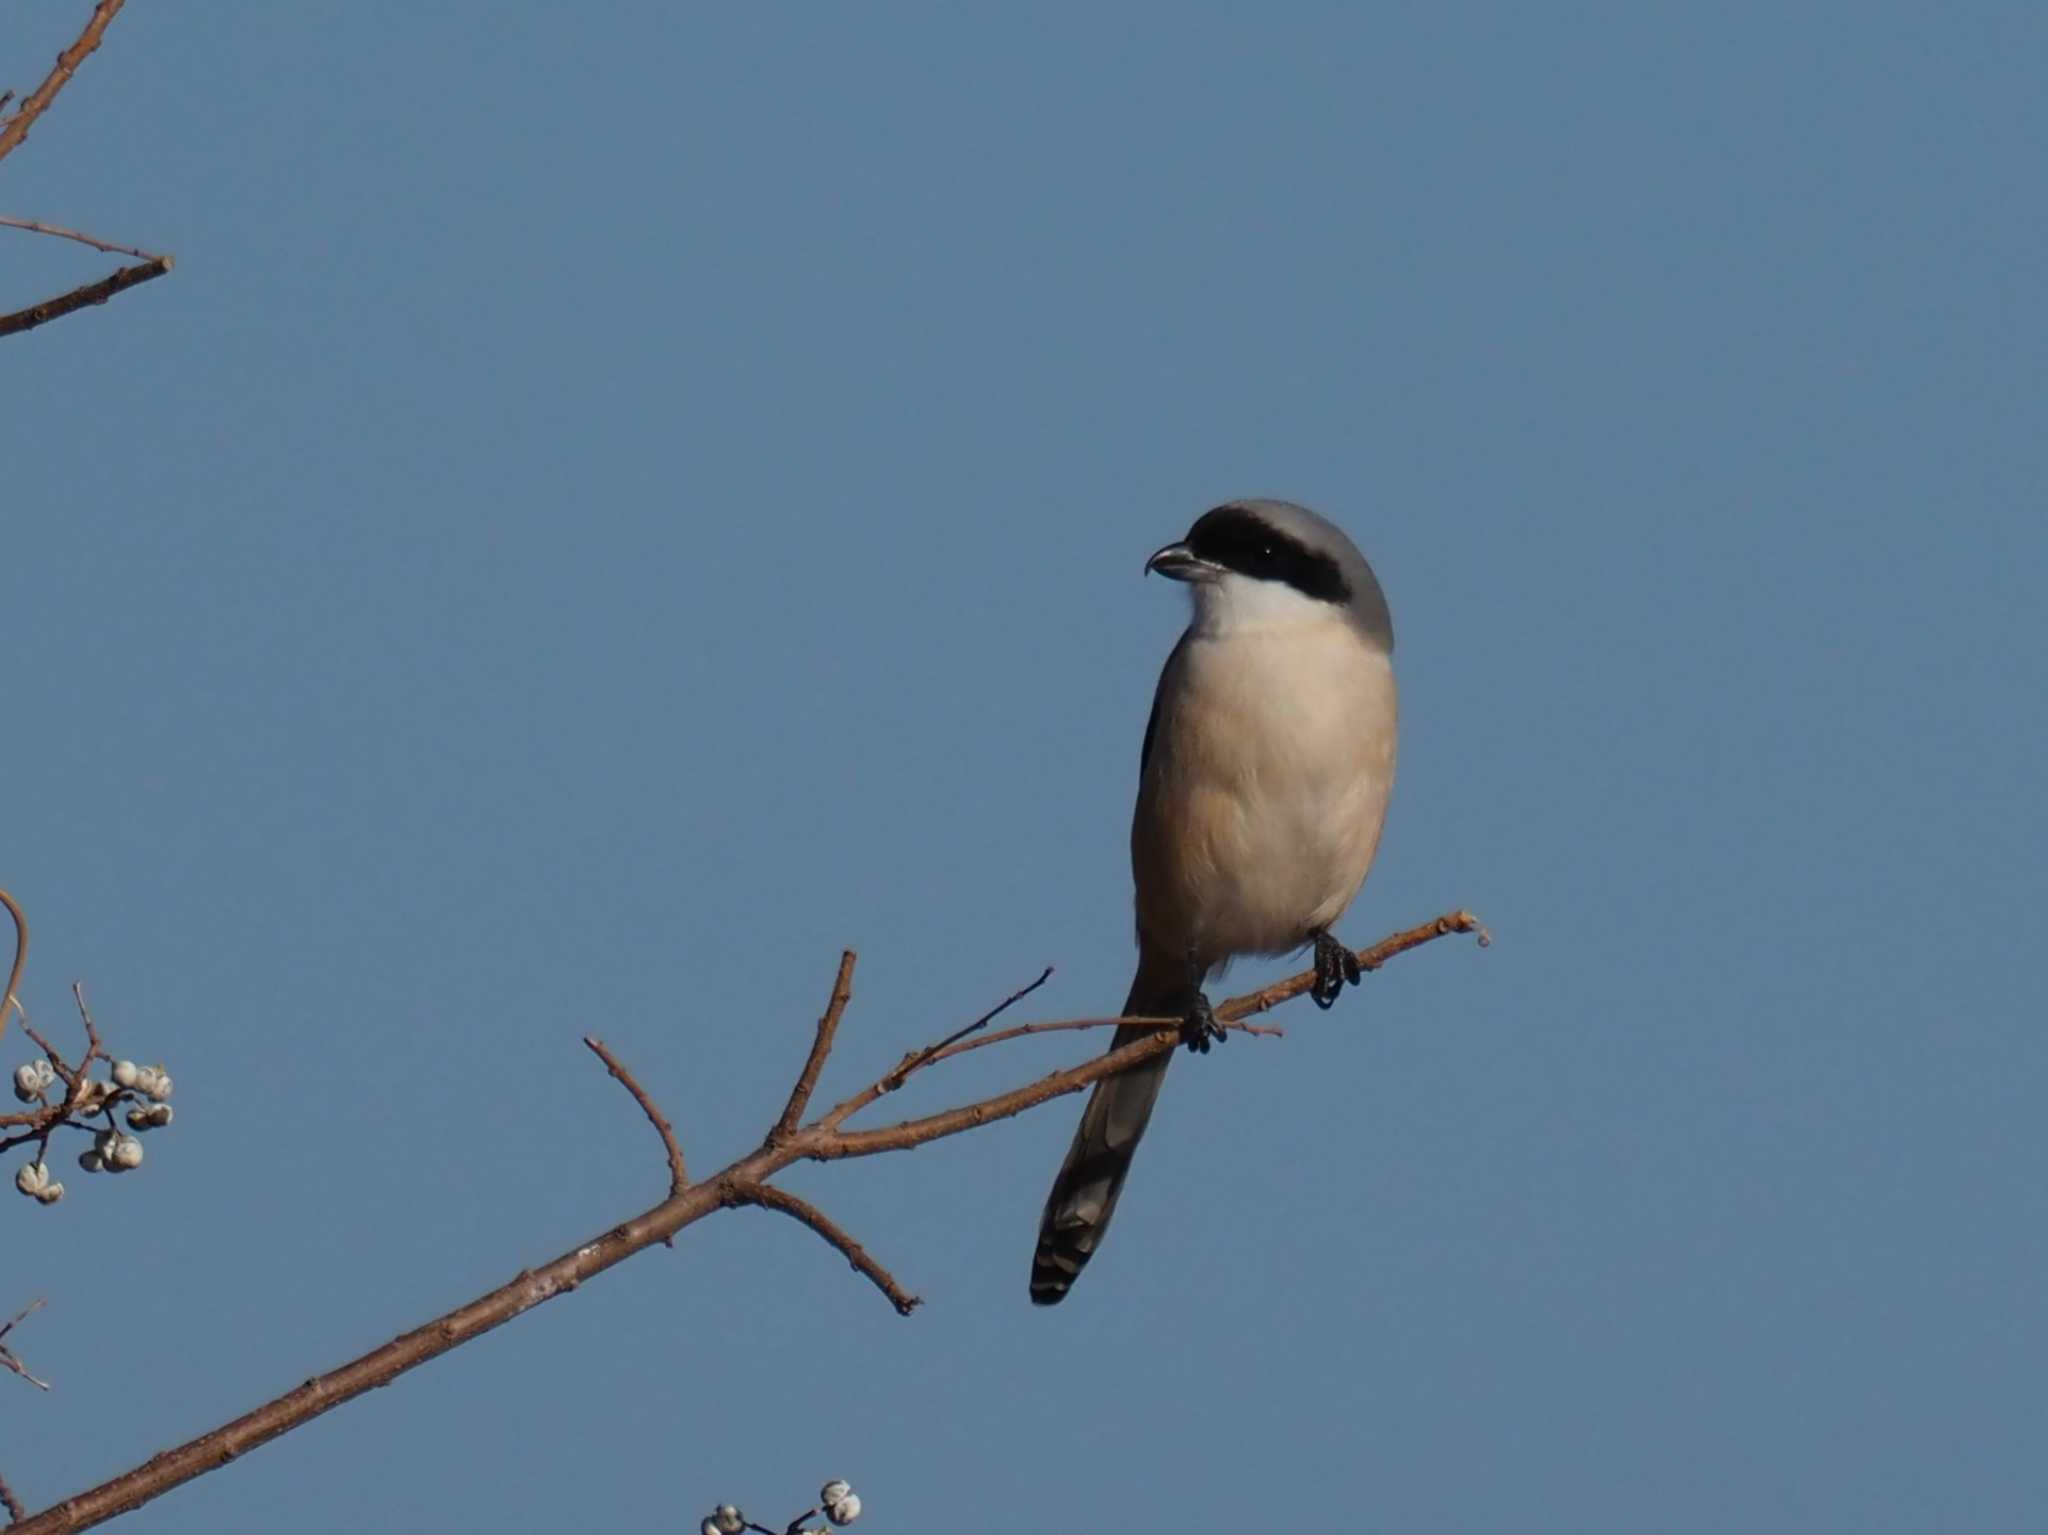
841,1502
150,1081
837,1501
35,1181
143,1088
112,1152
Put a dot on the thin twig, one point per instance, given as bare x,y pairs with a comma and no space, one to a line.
1023,1030
82,298
1368,959
64,1073
16,127
678,1180
93,1050
934,1054
918,1058
915,1132
821,1046
768,1197
7,998
7,1356
94,241
837,1144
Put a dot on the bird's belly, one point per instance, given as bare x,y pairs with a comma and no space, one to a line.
1261,808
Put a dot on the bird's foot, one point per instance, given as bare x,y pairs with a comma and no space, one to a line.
1335,965
1198,1025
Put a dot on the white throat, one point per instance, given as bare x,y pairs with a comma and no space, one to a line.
1238,604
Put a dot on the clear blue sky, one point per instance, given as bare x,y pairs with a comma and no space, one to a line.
617,503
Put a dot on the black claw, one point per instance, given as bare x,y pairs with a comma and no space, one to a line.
1335,965
1198,1026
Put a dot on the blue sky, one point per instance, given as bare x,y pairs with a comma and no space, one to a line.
613,506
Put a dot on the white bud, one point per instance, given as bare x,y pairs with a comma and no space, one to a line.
45,1073
126,1072
30,1177
105,1141
92,1161
149,1116
160,1087
26,1083
846,1510
833,1491
126,1155
50,1193
730,1521
138,1118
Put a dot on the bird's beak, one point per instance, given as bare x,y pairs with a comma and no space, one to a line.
1177,562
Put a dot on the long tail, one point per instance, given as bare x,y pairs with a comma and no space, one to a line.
1084,1194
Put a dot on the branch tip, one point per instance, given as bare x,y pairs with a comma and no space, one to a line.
766,1196
82,298
821,1046
678,1178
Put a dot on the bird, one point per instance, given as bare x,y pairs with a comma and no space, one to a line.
1262,787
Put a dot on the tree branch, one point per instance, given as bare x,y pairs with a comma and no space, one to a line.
917,1060
768,1197
82,298
678,1179
94,241
7,1002
1369,959
744,1181
7,1355
15,129
821,1046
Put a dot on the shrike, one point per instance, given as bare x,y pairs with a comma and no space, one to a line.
1263,782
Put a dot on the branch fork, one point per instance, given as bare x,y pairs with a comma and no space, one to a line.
743,1182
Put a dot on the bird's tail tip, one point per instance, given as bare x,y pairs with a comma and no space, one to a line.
1049,1280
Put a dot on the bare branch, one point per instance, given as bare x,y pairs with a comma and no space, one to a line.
917,1060
835,1144
7,999
821,1046
768,1197
743,1182
7,1356
1230,1014
929,1053
1025,1030
15,129
678,1180
96,243
1369,959
82,298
